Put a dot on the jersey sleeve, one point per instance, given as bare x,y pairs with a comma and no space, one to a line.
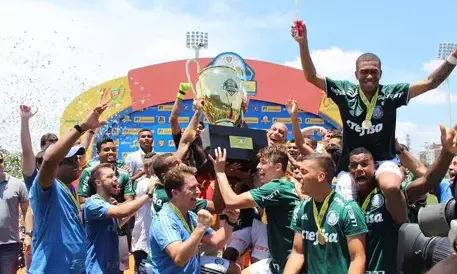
28,180
128,188
336,89
299,210
96,208
397,94
165,231
353,222
267,195
201,204
83,186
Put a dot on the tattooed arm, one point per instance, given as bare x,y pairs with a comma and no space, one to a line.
434,80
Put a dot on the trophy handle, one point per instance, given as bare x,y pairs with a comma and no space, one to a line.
189,79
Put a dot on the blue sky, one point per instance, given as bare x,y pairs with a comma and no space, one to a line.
106,38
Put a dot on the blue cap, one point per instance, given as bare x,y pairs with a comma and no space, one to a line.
76,150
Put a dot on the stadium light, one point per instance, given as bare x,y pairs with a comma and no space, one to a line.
444,50
197,40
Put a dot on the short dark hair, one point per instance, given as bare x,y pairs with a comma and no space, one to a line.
367,57
360,150
159,166
95,175
324,162
174,178
102,142
202,124
276,154
48,137
39,158
149,155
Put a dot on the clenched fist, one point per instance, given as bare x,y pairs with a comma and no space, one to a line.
204,219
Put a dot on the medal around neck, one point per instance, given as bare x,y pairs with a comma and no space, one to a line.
366,124
320,238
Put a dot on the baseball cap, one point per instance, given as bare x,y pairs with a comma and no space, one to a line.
76,150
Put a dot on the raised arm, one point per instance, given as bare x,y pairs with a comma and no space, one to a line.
219,238
292,108
439,168
174,123
190,133
127,208
28,158
436,78
410,162
52,158
305,57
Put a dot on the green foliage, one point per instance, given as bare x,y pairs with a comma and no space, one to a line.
13,163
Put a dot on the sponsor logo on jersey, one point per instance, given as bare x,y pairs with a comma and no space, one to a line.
339,201
332,217
361,131
378,112
304,217
374,218
377,201
352,216
271,196
312,236
271,108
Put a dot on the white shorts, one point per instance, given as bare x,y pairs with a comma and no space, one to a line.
124,253
260,267
240,240
211,264
259,237
345,185
388,166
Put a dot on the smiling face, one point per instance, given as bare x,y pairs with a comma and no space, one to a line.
108,181
277,134
68,169
368,73
189,192
108,153
452,171
362,168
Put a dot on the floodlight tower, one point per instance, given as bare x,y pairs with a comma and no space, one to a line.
196,40
444,50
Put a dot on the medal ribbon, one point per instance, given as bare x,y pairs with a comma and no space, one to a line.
183,220
367,200
370,105
318,217
75,199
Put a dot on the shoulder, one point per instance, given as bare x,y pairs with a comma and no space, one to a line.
341,202
15,181
123,174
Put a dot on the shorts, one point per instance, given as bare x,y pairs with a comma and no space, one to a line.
124,253
260,267
388,166
211,264
255,236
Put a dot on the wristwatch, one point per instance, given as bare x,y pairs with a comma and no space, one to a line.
79,129
230,223
29,233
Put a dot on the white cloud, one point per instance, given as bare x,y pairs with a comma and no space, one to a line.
433,97
431,65
418,134
333,62
50,53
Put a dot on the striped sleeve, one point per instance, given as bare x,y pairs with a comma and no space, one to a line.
166,230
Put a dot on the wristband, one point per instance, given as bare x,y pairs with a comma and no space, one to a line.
230,223
79,129
452,60
29,233
181,95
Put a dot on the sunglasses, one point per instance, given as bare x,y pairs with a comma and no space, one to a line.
70,161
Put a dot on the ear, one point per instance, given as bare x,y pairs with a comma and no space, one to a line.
356,74
321,177
380,73
278,167
174,192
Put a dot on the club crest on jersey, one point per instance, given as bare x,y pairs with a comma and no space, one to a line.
332,217
378,112
377,201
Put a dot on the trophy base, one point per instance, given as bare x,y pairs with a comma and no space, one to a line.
241,144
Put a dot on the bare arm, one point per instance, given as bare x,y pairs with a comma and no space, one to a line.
174,123
181,252
296,259
306,62
28,158
28,221
189,134
127,208
434,80
410,162
356,246
24,209
87,139
292,108
219,238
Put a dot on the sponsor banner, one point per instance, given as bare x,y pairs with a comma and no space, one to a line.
319,121
144,119
164,107
164,131
271,108
251,120
130,131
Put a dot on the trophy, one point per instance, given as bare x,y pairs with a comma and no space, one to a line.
221,89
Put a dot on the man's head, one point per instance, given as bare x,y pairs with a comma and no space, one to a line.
147,163
103,180
277,134
2,165
310,142
362,168
145,139
200,127
47,140
273,161
69,167
330,134
182,187
317,172
292,148
368,72
107,151
39,158
162,163
452,171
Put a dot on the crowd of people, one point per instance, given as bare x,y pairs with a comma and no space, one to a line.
329,207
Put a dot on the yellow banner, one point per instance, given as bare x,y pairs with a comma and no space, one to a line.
330,109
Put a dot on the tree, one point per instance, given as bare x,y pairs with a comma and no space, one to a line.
13,163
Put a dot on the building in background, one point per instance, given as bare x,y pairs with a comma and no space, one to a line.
430,153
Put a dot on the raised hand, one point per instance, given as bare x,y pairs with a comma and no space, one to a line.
449,139
204,219
298,31
92,120
198,104
232,214
26,112
220,161
291,106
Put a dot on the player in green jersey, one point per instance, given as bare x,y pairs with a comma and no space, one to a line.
368,110
277,195
381,247
330,230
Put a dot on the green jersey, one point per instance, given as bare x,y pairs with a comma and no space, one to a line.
160,197
344,218
382,239
379,139
125,185
95,161
278,198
